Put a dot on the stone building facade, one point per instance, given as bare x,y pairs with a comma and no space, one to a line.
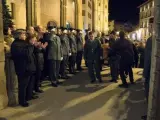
95,15
146,12
45,12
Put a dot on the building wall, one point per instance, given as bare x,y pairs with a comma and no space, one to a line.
101,15
3,92
87,18
49,11
111,25
19,12
146,12
70,17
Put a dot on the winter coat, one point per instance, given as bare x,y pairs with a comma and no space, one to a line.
92,51
23,57
54,50
65,45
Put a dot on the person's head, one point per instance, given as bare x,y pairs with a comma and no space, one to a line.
151,21
31,30
103,34
74,32
54,31
21,35
112,35
65,31
13,27
122,34
98,34
91,36
7,31
31,39
59,31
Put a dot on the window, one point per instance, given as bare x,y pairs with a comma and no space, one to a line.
106,6
13,10
89,5
99,4
83,2
83,12
89,15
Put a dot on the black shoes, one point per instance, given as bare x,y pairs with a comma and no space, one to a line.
39,91
24,104
144,117
123,85
113,81
54,85
93,81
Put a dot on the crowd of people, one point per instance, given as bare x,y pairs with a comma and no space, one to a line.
38,54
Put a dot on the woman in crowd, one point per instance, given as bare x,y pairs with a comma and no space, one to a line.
9,67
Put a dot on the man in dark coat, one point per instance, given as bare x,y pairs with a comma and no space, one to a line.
113,58
54,56
124,48
25,66
93,55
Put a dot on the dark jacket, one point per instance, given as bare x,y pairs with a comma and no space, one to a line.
73,44
54,50
124,48
39,58
79,43
23,57
92,51
65,45
147,59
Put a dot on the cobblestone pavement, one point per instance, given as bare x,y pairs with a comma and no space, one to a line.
77,99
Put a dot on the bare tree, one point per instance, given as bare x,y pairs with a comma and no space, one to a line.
154,95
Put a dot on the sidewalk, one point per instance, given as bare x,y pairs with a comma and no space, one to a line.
77,99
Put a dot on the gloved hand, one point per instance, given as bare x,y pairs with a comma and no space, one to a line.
61,58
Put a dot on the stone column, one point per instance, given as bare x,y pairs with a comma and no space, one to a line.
29,13
154,95
79,15
3,92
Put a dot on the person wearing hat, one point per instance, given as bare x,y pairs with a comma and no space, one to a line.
66,53
54,56
73,46
79,50
24,61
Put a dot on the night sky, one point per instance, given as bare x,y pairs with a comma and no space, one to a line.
125,10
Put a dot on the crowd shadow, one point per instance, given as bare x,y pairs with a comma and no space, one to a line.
135,103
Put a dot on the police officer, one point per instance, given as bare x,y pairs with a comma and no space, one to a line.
73,46
113,58
66,53
79,50
54,55
93,55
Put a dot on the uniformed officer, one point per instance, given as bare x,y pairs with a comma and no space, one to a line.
54,55
73,46
79,50
66,53
93,55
